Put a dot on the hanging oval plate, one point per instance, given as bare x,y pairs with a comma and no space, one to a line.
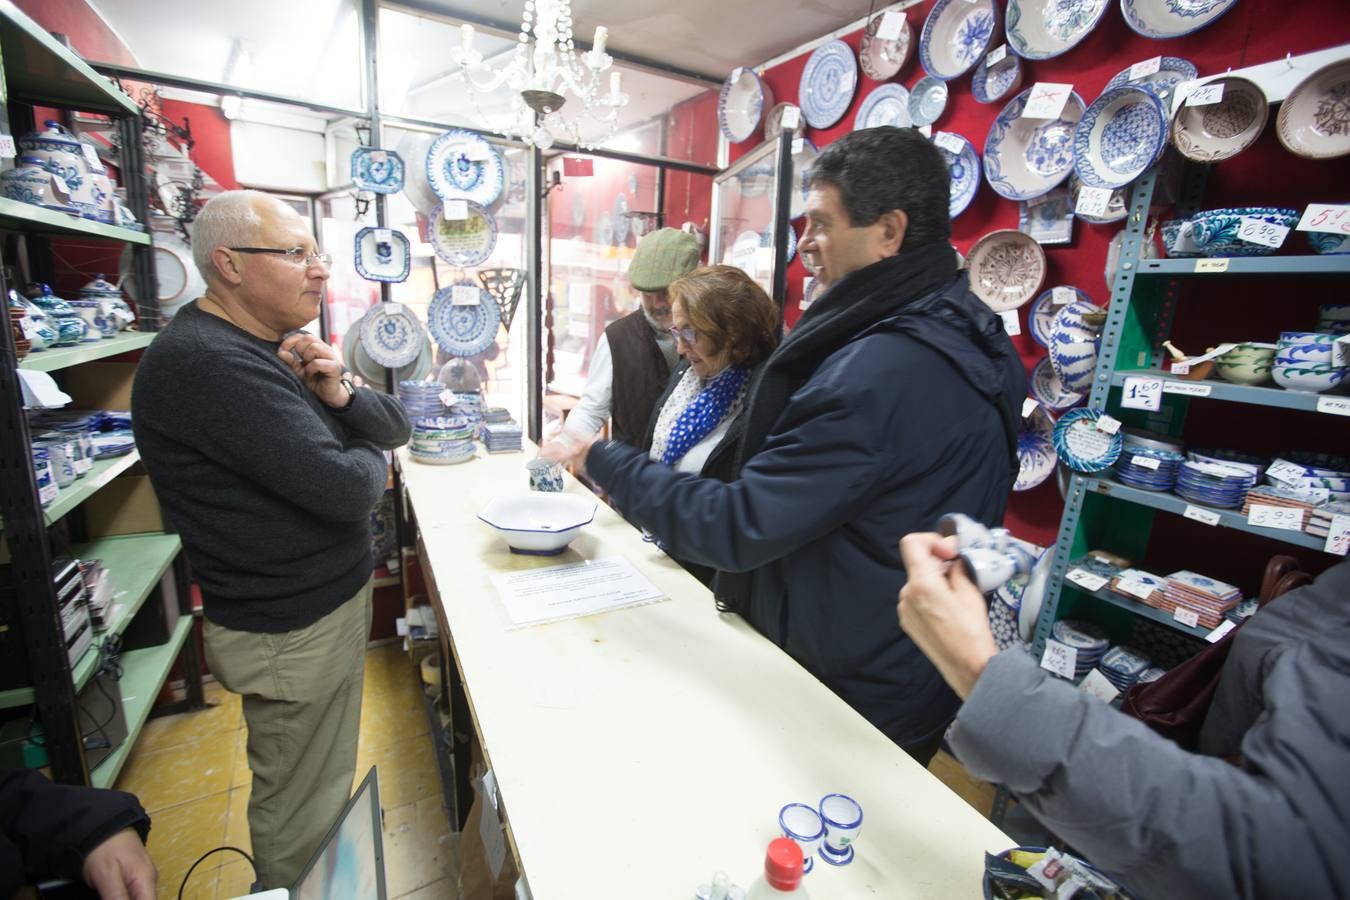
464,242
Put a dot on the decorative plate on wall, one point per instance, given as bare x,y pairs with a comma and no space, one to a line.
882,59
391,335
1007,268
1314,120
741,104
463,165
955,35
463,329
1025,158
887,104
382,254
376,170
1040,30
1120,136
963,164
828,83
464,242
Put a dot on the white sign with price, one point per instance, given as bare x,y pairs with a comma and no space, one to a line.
1108,424
1205,516
1142,393
1338,538
1099,686
1011,323
798,144
1285,472
1225,626
995,56
1092,201
1086,580
892,23
1325,217
1062,296
1060,659
949,142
1047,100
1135,588
1255,231
1188,617
1282,517
1205,95
1028,405
1145,68
7,148
455,210
465,295
790,119
1147,462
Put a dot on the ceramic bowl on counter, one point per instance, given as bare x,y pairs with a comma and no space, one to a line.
1311,378
1218,131
538,523
1215,231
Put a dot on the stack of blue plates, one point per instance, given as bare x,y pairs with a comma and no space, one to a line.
495,414
501,437
442,440
1151,674
113,443
1124,666
1214,484
1089,640
422,398
1134,468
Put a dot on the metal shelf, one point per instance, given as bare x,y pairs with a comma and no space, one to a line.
30,219
1138,607
1313,264
1234,393
39,68
86,351
1177,506
98,477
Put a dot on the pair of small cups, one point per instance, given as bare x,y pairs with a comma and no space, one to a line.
829,829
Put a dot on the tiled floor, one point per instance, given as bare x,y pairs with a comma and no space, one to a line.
191,773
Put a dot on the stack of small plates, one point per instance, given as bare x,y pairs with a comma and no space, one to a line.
442,440
1243,611
1214,484
501,437
1151,674
1124,666
1319,520
113,443
1089,640
468,404
422,398
1147,468
1207,598
1280,496
1134,579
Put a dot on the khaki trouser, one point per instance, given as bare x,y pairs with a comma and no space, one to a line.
302,704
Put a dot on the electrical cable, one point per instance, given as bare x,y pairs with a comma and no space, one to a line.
183,883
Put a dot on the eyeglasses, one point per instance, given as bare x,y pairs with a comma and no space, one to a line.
686,334
295,255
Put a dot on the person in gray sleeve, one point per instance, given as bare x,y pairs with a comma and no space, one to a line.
1163,821
268,460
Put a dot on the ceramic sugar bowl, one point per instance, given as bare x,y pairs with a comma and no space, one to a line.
30,182
60,153
115,314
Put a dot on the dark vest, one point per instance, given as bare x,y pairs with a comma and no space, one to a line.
640,374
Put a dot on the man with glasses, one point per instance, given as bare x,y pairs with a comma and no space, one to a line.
268,460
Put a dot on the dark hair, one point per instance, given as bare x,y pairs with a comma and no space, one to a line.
730,309
880,169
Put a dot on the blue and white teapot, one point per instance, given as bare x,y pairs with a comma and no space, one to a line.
61,153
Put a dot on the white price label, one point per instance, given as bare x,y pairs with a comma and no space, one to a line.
1211,265
1099,686
1338,538
1145,68
1060,659
1186,388
1046,100
1092,201
1205,95
1087,580
1029,406
892,23
798,145
1337,406
379,156
1146,462
60,184
1225,626
384,235
1340,351
83,465
1285,472
1199,514
1181,368
995,56
1325,217
736,74
7,148
1255,231
455,210
791,118
1011,323
1187,617
1062,296
926,130
447,397
1142,393
1281,517
91,156
47,493
1108,424
949,142
465,295
764,259
1135,588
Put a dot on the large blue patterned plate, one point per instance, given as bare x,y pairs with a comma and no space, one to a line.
391,335
1026,158
1120,136
463,165
1041,30
887,104
383,260
376,170
1172,71
955,35
463,330
741,104
828,83
464,242
964,168
1161,19
1082,446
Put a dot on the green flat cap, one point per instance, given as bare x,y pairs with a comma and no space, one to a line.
661,257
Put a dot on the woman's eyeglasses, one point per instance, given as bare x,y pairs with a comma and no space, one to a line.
686,334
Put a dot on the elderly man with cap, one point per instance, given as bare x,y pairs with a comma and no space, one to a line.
634,357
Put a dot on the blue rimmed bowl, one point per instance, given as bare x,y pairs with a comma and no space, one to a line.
1172,70
1326,242
1216,231
989,84
1038,30
955,35
1120,136
1313,378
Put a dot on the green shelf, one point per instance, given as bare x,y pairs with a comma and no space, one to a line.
1327,404
98,477
143,674
29,219
39,68
1138,607
1313,264
57,358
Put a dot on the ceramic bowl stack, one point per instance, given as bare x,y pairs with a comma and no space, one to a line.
1318,522
1088,639
422,399
1305,361
1215,231
1334,318
1254,464
469,405
1123,666
442,440
1147,464
1214,484
1207,598
1248,363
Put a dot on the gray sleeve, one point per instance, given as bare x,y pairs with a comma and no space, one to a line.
1165,822
376,417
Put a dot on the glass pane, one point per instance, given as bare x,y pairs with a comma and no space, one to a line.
743,203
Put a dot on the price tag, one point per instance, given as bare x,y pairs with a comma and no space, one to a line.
1197,514
1011,323
1338,538
91,156
1092,201
1062,296
926,130
1281,517
1340,351
379,156
47,493
1147,462
384,235
7,148
1205,95
1108,424
447,397
798,144
1285,472
1254,231
892,23
465,295
30,330
736,74
1142,393
1047,100
1321,217
1186,388
455,210
1029,406
1060,659
1211,265
83,465
1145,68
995,56
949,142
791,118
1187,617
1099,686
60,184
1336,406
1181,368
1135,588
1087,580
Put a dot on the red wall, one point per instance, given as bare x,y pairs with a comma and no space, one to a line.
89,34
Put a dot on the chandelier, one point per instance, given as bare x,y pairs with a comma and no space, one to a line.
544,71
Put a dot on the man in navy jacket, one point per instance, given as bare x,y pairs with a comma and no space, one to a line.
895,399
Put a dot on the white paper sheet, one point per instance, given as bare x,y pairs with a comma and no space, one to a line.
576,589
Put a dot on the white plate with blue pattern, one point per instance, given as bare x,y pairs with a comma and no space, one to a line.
383,260
1026,158
378,171
964,169
464,242
741,103
828,83
463,165
1120,136
463,329
927,101
1040,30
955,35
989,84
887,104
391,335
1172,70
1161,19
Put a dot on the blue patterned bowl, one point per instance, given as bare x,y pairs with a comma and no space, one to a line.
1177,233
1025,158
1307,377
1326,242
1120,136
1215,231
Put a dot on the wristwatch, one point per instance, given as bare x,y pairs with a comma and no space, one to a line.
346,382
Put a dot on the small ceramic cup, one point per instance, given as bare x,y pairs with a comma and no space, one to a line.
843,820
804,825
545,475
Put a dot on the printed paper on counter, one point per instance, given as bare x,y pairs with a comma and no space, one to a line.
569,591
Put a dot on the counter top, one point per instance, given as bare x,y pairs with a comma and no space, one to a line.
640,750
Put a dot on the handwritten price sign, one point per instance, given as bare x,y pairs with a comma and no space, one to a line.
1142,393
1325,217
1338,538
1047,100
1060,659
1255,231
1286,518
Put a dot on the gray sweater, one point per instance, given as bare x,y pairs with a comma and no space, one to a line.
1168,823
270,489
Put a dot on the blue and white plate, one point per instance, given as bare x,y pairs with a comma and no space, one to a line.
927,101
828,83
463,165
1161,19
382,257
1035,450
1082,446
955,35
621,220
376,170
1025,158
1080,635
1040,30
391,335
887,104
989,84
964,169
464,242
462,330
1172,70
741,104
1049,390
1041,319
1120,136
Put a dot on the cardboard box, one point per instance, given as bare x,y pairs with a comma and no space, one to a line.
127,505
100,385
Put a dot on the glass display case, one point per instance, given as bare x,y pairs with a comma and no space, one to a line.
750,209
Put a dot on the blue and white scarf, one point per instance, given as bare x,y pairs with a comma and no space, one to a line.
700,416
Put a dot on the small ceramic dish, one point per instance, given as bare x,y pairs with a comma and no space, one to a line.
1026,158
1308,377
773,121
881,59
1215,231
1314,120
1326,242
378,171
1006,269
1172,70
1162,19
1084,447
886,104
463,329
1038,30
1120,136
741,104
989,84
1219,131
955,35
963,165
927,101
383,254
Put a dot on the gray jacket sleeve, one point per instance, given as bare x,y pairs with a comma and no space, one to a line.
1165,822
376,417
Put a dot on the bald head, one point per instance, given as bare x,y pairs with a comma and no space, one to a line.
232,219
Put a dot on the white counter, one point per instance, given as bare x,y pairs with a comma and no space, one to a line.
640,750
